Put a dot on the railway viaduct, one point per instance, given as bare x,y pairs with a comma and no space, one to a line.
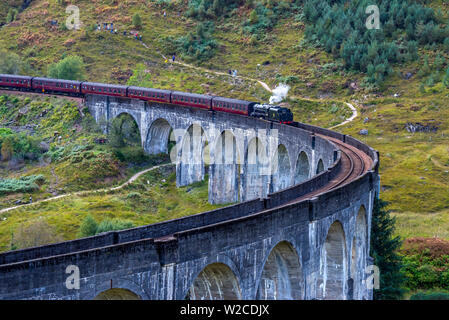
300,227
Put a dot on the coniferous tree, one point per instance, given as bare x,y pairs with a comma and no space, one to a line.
88,226
137,21
384,248
446,79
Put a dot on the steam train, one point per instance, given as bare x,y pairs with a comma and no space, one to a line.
80,89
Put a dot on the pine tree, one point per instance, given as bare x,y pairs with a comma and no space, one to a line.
88,227
137,21
253,18
384,251
446,79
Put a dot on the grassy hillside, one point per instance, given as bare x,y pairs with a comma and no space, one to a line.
152,198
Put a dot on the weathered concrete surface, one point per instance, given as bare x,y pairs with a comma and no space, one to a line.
314,249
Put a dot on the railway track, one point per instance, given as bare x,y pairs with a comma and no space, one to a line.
354,163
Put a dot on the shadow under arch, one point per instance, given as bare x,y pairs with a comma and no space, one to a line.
158,137
215,282
256,171
117,294
358,254
124,129
302,170
332,277
191,164
282,276
280,169
225,169
320,166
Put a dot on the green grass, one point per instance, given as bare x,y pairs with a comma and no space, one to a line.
152,198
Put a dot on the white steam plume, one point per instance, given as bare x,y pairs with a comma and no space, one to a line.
279,93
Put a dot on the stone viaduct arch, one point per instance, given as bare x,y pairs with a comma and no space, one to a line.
359,254
256,171
215,282
225,168
158,136
281,175
282,276
320,166
333,265
190,166
302,172
117,294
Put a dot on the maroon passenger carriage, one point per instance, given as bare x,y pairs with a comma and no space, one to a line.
149,94
232,105
191,100
58,86
114,90
15,82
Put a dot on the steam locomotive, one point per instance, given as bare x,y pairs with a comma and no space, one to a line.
80,89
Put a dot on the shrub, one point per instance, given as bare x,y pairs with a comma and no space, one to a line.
430,296
18,145
23,184
7,150
137,21
198,45
69,68
113,225
11,63
88,226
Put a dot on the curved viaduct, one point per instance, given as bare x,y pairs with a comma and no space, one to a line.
300,228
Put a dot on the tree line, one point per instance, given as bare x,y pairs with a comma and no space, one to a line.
339,27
